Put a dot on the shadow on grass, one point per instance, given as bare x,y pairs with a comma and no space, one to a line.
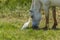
44,29
55,29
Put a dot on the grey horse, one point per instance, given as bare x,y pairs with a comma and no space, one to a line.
37,6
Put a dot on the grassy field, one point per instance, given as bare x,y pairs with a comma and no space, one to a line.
13,16
11,23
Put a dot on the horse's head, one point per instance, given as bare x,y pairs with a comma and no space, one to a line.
35,12
36,17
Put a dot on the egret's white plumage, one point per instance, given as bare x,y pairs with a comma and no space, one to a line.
26,24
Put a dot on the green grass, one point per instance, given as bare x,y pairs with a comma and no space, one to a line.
10,29
13,16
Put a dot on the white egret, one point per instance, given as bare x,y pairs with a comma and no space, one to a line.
26,24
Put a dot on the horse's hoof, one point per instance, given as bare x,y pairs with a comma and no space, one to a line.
54,26
45,28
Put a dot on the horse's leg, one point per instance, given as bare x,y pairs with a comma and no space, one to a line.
46,9
35,13
54,17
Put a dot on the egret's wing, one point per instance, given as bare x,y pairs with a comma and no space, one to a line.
26,24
